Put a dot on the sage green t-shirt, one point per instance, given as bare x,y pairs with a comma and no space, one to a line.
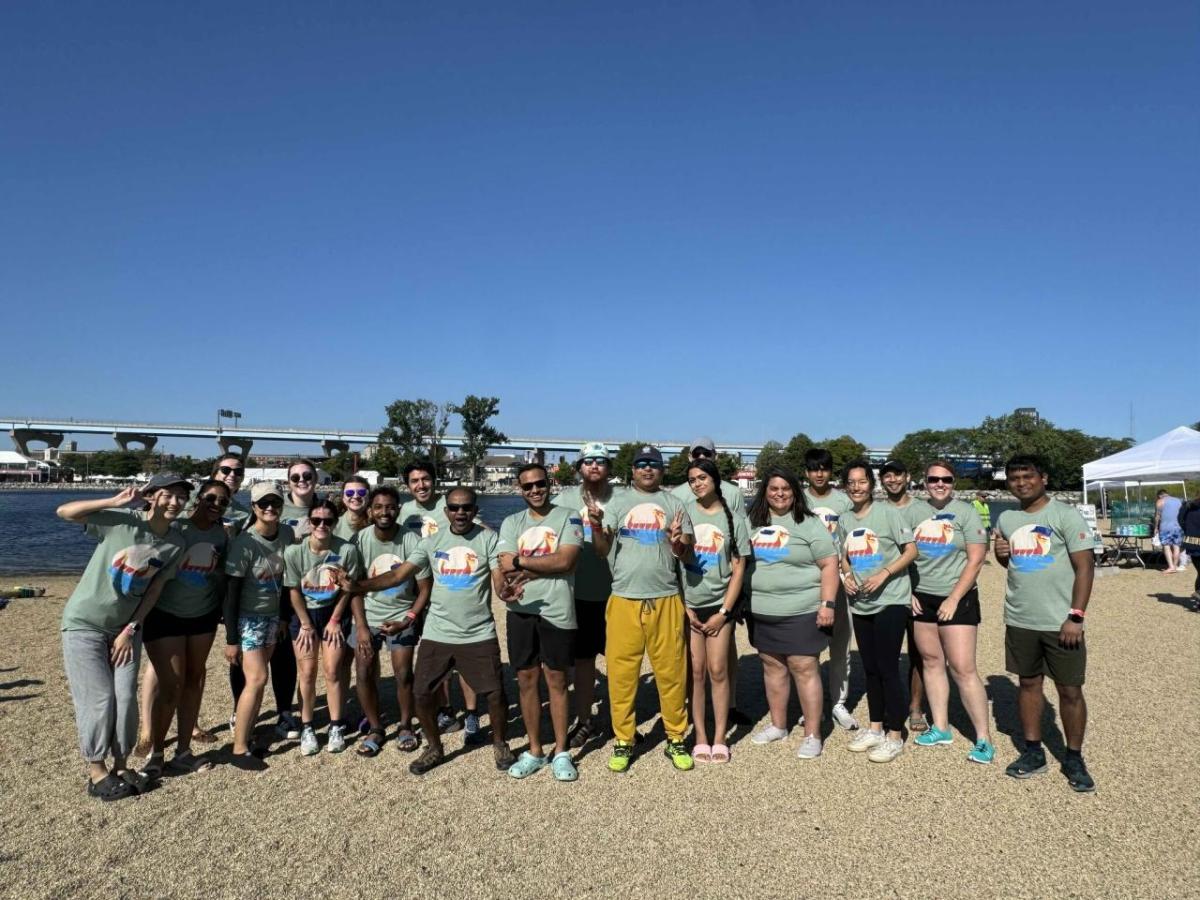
345,527
1040,575
315,572
296,517
382,554
460,604
128,558
731,492
641,560
593,579
786,580
941,540
829,509
912,513
553,596
259,563
198,587
236,516
706,576
869,544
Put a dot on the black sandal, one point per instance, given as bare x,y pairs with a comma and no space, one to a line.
583,733
110,788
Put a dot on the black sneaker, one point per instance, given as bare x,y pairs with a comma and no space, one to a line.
248,762
1077,775
1029,763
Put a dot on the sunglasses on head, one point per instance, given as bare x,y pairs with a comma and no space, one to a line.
647,464
528,486
354,492
318,521
215,499
460,507
939,479
302,476
269,503
239,471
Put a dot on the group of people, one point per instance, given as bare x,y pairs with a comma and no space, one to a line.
301,581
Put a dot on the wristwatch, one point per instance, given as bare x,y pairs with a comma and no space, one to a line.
517,563
726,612
1076,616
828,604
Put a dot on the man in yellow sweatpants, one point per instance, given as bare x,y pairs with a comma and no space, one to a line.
640,532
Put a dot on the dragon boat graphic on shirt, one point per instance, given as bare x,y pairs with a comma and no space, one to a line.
132,569
454,569
828,517
935,536
538,540
770,544
710,541
198,564
268,569
386,562
320,583
862,550
646,523
1030,548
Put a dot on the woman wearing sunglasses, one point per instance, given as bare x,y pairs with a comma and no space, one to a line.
230,470
793,600
254,597
713,569
180,629
312,569
300,497
354,516
877,549
951,546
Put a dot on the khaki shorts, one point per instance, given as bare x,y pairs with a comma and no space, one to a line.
1030,653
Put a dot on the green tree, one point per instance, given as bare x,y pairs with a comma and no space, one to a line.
339,467
769,456
386,461
622,463
564,473
843,449
409,424
919,448
478,435
728,465
676,470
793,453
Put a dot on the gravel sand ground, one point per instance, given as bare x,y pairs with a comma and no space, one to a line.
767,825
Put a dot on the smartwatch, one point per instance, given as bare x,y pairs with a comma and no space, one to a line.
1076,616
828,604
726,612
517,562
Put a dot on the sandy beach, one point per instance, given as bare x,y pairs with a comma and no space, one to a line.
766,825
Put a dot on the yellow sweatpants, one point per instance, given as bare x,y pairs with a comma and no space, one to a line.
635,628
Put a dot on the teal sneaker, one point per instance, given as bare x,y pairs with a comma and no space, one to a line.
934,737
982,752
526,765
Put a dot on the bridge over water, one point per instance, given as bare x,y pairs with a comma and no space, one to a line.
240,438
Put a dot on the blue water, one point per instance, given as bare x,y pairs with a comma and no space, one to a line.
34,540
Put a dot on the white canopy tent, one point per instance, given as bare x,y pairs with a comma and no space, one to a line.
1170,457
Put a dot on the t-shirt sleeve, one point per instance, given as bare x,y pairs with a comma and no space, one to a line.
97,523
1076,533
820,540
419,555
572,530
507,541
237,563
354,562
491,546
291,566
741,535
973,531
1002,527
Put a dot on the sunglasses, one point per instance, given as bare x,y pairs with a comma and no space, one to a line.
319,521
215,499
817,469
594,461
528,486
305,477
647,464
239,471
701,453
939,479
354,492
269,503
459,507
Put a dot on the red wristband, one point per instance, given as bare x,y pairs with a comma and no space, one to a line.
1078,612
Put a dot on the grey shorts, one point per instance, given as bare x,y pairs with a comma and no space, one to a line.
398,641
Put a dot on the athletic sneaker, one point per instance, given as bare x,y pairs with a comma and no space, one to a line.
886,750
934,737
337,739
622,755
309,746
810,747
866,739
768,735
982,752
1077,774
1029,763
472,733
843,718
288,727
447,722
678,754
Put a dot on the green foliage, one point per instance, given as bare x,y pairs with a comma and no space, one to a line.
386,461
118,463
622,462
478,435
843,449
339,466
793,453
564,473
676,469
769,456
409,423
728,465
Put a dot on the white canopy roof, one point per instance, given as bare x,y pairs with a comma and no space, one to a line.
1174,455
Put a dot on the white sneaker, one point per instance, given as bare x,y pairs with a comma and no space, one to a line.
842,717
768,735
309,746
336,742
886,751
866,739
810,747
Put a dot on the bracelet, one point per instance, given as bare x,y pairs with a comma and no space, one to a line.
1076,612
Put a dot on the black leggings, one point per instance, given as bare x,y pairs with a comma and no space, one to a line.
283,676
879,639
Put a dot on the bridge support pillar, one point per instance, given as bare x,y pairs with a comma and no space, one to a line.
22,436
236,446
334,448
125,438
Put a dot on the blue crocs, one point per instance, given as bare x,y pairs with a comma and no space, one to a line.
563,767
526,765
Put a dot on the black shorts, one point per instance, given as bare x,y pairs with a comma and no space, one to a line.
704,613
967,612
478,664
533,640
1029,653
592,633
159,624
320,618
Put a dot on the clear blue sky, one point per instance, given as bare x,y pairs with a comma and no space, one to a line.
745,219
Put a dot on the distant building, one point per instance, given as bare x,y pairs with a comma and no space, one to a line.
17,468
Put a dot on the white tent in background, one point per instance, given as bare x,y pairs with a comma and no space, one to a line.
1172,456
